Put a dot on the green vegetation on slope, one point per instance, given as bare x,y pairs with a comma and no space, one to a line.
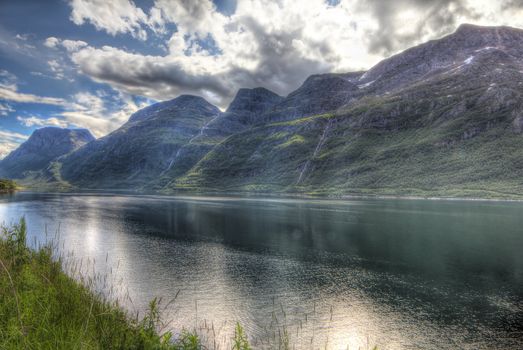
7,186
461,141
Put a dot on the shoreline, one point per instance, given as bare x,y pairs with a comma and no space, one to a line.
261,195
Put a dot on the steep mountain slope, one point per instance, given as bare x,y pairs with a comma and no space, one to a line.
44,146
438,56
248,104
318,94
245,109
450,130
161,142
142,148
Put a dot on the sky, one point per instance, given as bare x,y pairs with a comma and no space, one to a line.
92,63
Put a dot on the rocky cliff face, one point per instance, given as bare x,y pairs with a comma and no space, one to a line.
44,146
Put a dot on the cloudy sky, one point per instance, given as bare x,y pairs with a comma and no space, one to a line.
91,63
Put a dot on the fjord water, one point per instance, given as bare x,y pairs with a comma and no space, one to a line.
402,274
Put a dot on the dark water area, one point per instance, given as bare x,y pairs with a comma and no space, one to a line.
400,274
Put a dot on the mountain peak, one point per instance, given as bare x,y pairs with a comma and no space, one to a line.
342,78
256,100
186,98
327,83
471,35
318,94
62,133
42,147
441,55
182,102
469,28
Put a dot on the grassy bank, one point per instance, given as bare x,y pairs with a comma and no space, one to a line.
7,186
41,307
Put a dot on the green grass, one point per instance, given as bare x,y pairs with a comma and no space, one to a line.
41,307
7,186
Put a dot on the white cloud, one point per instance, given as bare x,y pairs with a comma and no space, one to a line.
15,96
265,43
9,141
5,109
9,92
87,110
82,109
12,135
275,45
36,121
23,37
56,68
7,147
115,16
7,80
51,42
73,45
69,45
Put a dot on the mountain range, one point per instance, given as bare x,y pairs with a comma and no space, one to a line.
444,118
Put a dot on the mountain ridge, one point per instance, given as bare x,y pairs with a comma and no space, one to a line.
43,146
423,121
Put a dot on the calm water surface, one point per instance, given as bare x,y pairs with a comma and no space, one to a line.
402,274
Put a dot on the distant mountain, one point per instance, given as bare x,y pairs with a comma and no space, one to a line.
442,118
44,146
